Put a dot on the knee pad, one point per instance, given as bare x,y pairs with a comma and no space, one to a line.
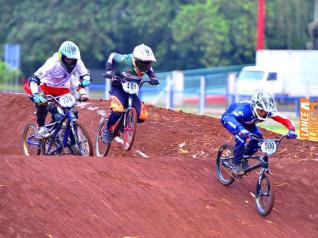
116,105
143,113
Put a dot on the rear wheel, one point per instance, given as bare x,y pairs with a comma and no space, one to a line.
224,161
30,144
130,126
101,148
84,146
265,196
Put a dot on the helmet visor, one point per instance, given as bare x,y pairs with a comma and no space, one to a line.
261,113
143,66
69,63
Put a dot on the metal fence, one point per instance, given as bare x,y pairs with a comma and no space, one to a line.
203,91
197,90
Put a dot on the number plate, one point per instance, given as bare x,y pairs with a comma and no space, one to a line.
130,87
269,147
67,100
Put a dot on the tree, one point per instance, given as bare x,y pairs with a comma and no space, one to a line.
215,33
7,74
286,23
183,33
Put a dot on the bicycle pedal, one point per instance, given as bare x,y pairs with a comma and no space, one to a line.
238,177
269,172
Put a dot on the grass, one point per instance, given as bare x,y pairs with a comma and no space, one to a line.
11,87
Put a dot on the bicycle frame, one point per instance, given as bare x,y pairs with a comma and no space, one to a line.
263,159
263,163
122,119
67,120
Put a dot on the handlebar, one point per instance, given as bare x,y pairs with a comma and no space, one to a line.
254,136
124,79
54,100
261,141
110,76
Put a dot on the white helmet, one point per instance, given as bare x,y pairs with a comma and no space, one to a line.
143,57
264,101
69,54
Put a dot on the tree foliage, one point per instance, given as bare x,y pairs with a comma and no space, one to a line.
183,33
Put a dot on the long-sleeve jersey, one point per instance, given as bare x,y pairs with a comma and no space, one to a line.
122,65
54,75
240,115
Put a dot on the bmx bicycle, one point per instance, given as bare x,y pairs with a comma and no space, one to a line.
66,135
126,126
264,196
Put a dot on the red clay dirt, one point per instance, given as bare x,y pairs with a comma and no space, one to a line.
172,193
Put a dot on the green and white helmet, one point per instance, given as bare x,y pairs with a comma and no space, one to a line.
143,57
264,101
69,53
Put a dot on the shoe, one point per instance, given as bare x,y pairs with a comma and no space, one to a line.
43,133
107,137
237,170
245,164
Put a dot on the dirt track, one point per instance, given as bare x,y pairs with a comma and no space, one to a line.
172,193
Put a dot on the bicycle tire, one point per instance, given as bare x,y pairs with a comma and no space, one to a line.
26,143
130,126
223,172
102,149
264,199
83,143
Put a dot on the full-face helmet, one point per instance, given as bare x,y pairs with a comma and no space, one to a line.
143,58
263,104
69,54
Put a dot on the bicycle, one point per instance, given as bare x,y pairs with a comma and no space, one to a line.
66,133
125,127
264,196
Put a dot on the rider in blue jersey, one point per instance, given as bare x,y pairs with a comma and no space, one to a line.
240,120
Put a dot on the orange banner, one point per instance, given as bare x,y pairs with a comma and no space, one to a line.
308,120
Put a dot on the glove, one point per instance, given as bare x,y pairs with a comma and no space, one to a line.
292,134
39,99
108,75
244,134
86,82
154,81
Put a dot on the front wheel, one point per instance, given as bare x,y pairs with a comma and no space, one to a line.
265,196
130,127
101,148
30,144
224,160
84,145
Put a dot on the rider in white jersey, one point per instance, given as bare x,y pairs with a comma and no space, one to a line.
53,73
56,77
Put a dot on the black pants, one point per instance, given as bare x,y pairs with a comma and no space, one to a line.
41,113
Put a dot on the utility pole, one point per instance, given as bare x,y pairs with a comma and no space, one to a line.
316,11
260,25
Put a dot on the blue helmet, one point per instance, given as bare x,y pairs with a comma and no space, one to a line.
69,54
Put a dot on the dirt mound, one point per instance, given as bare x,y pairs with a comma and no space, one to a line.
173,192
